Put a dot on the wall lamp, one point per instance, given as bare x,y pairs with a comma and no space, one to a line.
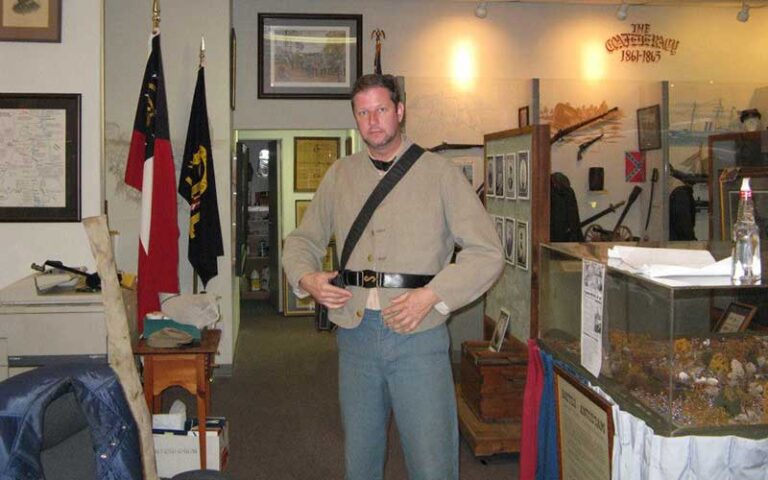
481,11
743,14
622,11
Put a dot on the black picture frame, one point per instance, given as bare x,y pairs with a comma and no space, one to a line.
649,128
53,192
523,117
312,69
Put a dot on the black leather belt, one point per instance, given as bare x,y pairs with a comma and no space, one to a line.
372,279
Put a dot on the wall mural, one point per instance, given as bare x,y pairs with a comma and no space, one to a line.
564,115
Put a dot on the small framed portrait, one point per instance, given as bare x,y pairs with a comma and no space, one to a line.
499,224
649,128
499,176
521,247
500,332
30,21
509,240
735,318
523,117
523,175
490,176
510,176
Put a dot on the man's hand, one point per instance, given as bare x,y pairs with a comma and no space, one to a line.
318,285
406,311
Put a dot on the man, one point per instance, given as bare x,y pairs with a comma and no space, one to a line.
393,342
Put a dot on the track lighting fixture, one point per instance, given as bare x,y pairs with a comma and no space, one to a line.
481,11
621,13
743,14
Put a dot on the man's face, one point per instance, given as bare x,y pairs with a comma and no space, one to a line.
378,118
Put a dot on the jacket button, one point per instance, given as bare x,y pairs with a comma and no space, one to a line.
370,258
359,314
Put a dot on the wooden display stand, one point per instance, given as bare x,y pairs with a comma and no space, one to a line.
188,367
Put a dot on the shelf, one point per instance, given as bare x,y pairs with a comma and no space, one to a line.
257,258
258,208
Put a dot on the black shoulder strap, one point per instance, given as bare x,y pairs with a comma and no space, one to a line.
386,185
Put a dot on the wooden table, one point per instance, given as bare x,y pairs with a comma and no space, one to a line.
188,367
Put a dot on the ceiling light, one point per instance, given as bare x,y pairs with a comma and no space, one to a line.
621,13
482,10
743,14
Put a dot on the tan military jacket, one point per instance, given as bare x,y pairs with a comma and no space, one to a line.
413,231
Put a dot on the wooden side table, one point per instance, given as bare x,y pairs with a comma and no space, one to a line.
188,367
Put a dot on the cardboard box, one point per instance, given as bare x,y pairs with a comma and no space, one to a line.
180,452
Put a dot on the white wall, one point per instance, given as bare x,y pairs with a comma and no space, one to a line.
72,66
127,30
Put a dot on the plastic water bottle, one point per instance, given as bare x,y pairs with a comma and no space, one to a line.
746,267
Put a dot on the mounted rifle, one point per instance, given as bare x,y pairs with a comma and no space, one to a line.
563,132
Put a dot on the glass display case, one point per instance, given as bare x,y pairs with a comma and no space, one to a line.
662,358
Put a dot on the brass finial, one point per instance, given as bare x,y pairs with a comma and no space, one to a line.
155,15
202,51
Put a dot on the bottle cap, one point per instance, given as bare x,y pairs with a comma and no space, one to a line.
745,185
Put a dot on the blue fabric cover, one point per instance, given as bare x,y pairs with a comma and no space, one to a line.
24,398
547,466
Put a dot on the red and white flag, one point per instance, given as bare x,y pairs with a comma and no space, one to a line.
150,170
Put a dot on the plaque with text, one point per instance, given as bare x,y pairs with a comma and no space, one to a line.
584,430
312,158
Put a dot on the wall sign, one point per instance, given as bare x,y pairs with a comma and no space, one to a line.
640,45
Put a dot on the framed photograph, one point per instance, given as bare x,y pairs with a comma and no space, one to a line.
500,332
523,117
294,306
30,21
40,157
509,241
232,68
499,223
490,176
510,176
301,209
312,156
499,190
521,247
735,318
309,55
649,128
523,175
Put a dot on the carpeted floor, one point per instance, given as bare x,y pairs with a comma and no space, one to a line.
282,407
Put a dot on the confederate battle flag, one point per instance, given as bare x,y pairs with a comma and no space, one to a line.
150,170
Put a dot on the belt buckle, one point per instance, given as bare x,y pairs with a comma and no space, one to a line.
369,279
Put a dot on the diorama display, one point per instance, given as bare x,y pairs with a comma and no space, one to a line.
664,357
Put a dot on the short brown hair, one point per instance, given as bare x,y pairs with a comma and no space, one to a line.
374,80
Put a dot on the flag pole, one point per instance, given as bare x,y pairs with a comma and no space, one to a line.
155,16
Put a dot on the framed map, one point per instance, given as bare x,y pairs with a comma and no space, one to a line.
40,157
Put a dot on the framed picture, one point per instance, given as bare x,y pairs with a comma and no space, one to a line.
500,332
499,190
30,21
312,156
294,306
309,55
523,175
649,128
509,240
521,246
499,224
40,157
735,318
510,176
490,176
232,68
301,209
523,118
331,259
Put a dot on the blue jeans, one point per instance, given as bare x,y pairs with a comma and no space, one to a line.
379,371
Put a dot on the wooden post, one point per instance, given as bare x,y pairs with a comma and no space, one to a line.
118,338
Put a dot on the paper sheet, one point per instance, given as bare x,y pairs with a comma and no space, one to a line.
592,281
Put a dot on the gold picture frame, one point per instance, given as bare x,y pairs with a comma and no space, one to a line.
312,156
30,21
301,209
735,318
